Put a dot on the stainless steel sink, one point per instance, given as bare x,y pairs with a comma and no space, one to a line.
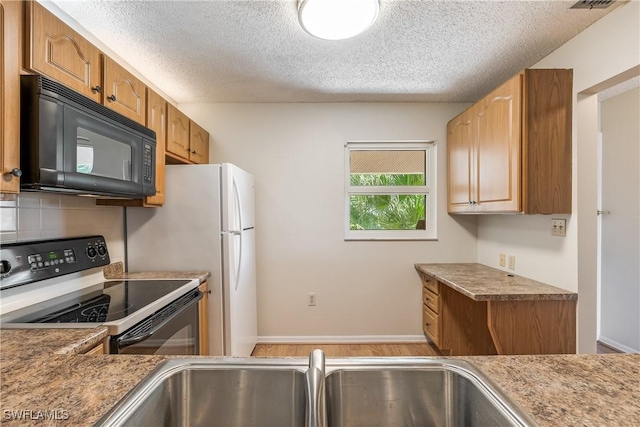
439,395
193,393
341,392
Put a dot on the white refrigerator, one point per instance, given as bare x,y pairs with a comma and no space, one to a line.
207,223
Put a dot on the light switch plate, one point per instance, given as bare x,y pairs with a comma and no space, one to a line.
502,260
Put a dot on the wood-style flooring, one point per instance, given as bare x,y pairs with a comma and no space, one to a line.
605,349
346,350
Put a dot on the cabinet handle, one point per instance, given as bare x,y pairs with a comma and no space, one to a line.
193,152
427,299
111,98
96,89
427,324
16,172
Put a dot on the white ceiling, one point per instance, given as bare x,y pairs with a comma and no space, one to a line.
255,50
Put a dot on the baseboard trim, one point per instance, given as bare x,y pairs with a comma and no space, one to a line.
617,346
342,339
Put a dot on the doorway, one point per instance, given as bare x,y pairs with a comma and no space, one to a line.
619,217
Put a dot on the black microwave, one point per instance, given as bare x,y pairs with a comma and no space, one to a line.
71,144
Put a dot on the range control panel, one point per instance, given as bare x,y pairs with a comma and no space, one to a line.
27,262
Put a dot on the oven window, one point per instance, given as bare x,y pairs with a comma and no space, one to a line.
178,336
102,156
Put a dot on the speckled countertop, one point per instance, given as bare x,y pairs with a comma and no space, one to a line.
558,390
41,371
482,283
115,271
35,342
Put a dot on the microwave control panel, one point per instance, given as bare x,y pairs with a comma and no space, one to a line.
147,164
27,262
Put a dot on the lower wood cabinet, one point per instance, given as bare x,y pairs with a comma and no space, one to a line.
431,310
97,350
461,326
203,316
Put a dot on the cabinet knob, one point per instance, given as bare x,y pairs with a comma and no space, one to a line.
96,89
16,172
111,98
427,324
193,152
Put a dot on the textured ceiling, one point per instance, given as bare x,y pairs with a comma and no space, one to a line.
255,51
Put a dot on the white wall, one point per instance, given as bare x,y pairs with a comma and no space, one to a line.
296,152
607,48
40,216
620,239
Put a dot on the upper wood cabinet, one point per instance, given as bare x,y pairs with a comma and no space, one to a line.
186,141
461,150
55,50
10,64
198,144
511,151
123,92
157,121
178,133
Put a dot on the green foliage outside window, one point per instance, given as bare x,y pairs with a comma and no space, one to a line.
387,211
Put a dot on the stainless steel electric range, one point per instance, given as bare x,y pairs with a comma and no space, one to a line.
143,316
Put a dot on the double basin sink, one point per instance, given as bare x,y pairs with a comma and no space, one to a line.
291,392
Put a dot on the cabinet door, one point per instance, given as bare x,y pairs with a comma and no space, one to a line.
57,51
123,92
498,175
198,144
157,121
10,18
178,133
460,146
203,320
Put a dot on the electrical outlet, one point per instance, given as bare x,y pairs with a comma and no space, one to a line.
311,299
512,262
502,260
558,227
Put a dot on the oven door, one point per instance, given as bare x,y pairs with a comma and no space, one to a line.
173,330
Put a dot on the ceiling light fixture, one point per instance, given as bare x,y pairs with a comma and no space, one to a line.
337,19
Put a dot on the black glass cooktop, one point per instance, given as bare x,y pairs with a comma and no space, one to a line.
104,302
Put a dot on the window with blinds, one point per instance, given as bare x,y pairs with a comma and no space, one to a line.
390,190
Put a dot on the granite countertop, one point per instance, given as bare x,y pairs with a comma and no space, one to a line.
482,283
41,371
115,271
35,342
556,390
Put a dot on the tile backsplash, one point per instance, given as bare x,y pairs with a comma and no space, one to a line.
38,216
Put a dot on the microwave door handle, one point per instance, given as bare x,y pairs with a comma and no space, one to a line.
126,342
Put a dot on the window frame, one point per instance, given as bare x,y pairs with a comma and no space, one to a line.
429,189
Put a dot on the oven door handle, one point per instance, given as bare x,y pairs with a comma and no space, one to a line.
126,342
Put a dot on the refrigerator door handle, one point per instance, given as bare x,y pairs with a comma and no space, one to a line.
236,196
232,232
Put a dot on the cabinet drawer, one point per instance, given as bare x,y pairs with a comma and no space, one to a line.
430,324
431,300
432,284
99,349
